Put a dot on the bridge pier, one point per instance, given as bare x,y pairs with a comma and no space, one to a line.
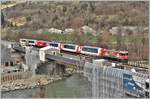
32,59
51,69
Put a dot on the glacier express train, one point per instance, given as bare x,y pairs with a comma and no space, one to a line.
77,49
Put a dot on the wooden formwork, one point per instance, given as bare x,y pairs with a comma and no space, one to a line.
15,76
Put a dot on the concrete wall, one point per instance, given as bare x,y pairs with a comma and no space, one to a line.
5,56
51,69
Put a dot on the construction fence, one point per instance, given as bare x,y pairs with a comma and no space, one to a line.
15,75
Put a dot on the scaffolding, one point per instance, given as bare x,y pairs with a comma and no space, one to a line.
108,82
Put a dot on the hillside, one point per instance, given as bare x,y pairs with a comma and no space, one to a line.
98,15
34,19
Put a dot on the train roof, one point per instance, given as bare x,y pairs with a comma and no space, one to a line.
22,39
123,51
117,51
54,42
41,41
27,39
30,39
70,44
90,46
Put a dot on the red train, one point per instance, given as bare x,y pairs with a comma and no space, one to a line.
116,55
73,48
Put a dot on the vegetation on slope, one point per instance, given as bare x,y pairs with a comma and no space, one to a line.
101,16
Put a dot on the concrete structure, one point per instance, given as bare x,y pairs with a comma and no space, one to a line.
47,50
9,69
113,82
36,58
42,53
6,59
63,60
32,59
102,62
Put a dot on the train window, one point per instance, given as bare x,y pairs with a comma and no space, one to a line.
31,41
6,63
11,64
54,53
54,45
93,50
146,85
69,46
123,54
23,40
14,70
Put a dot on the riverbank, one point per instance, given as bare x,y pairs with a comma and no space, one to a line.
34,81
74,86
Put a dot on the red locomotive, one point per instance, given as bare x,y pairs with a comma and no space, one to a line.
41,44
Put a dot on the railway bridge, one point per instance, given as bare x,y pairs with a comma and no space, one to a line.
106,81
35,57
57,58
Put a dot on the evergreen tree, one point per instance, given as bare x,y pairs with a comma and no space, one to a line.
2,18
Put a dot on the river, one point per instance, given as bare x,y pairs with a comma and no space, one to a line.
72,87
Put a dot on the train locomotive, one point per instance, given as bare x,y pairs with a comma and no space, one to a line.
121,56
41,44
31,42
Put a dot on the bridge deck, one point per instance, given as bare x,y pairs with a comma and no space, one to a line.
63,59
19,48
60,59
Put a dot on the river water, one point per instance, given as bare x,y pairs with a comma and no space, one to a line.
74,86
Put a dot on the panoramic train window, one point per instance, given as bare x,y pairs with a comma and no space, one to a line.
93,50
23,40
69,46
123,54
6,64
31,41
54,45
11,64
146,85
